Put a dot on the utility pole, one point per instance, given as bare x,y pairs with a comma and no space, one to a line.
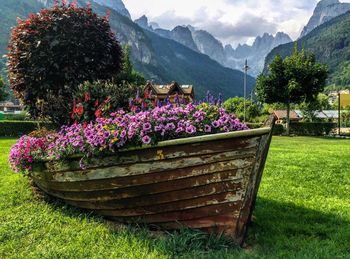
245,68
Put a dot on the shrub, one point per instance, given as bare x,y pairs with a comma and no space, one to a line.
236,106
54,51
278,129
19,128
15,117
99,99
312,128
255,125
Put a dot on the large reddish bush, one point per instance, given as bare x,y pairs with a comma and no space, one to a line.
54,51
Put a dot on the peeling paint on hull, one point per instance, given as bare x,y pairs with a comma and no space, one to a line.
207,183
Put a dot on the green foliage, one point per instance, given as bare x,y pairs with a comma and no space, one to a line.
312,128
330,42
3,93
100,98
52,52
278,129
345,117
236,105
309,109
16,117
301,173
295,79
19,128
128,74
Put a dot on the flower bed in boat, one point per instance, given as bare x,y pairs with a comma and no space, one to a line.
121,129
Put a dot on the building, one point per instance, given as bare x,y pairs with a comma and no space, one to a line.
281,116
171,91
9,107
297,115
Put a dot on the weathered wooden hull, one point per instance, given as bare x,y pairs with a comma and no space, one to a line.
207,183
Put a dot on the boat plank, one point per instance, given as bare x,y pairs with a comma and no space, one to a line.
155,154
182,205
161,198
231,208
147,168
149,189
137,180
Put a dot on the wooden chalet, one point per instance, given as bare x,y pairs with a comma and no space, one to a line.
171,91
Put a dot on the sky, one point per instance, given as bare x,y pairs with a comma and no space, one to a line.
231,21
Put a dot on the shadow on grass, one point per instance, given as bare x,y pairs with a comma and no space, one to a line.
276,224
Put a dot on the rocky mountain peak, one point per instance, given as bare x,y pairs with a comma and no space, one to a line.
183,35
116,5
325,11
142,22
326,3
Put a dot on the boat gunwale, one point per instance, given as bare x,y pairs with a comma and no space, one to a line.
180,141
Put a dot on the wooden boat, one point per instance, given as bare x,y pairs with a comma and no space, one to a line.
205,182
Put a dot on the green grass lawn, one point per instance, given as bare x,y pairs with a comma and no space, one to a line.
303,211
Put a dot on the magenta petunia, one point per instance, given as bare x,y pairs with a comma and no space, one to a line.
146,140
122,130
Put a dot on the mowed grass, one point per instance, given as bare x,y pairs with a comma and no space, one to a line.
302,211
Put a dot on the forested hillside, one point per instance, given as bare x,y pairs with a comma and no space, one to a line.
330,43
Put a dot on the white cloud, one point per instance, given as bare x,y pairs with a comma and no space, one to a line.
232,21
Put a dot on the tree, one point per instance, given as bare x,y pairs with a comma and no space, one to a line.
309,109
53,52
128,74
236,106
3,93
294,80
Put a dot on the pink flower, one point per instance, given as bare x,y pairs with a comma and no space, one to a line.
207,128
146,140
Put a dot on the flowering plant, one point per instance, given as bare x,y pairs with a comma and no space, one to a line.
99,98
121,129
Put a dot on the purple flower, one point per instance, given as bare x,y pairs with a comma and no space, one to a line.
170,126
191,129
123,134
120,130
207,128
146,139
215,124
147,126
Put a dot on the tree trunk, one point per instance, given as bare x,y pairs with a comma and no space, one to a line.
288,119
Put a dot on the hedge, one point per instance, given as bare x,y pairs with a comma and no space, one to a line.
277,130
15,117
19,128
312,128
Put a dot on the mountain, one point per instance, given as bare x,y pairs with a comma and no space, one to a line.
159,59
256,53
325,11
209,45
116,5
205,43
183,35
330,42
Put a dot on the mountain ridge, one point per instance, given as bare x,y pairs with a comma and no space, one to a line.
159,59
333,51
206,43
324,11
